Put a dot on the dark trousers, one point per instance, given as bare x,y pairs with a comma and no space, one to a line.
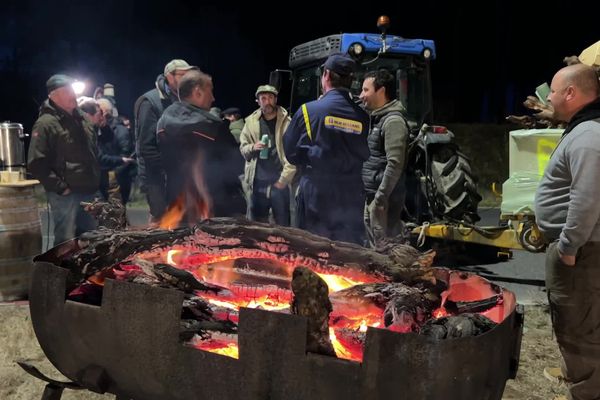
124,180
155,195
266,197
574,297
332,208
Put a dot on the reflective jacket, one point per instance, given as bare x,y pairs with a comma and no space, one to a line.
329,137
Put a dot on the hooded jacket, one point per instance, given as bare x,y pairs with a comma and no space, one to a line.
62,152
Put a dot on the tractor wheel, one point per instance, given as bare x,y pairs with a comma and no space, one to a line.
455,184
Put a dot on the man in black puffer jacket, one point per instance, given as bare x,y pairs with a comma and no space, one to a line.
199,154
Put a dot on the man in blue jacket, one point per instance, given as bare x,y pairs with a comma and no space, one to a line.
328,139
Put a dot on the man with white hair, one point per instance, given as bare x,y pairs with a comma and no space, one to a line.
63,157
147,111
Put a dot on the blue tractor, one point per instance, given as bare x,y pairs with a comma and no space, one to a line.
441,184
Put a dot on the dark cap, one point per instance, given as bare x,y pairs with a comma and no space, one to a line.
341,64
231,111
58,81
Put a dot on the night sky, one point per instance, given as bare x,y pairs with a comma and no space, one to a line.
485,65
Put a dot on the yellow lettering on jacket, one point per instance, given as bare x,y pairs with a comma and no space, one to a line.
343,124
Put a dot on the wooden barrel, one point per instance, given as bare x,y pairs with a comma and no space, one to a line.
20,239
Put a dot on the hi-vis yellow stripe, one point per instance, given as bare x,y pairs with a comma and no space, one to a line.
343,124
307,121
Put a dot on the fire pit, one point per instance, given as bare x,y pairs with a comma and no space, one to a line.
130,344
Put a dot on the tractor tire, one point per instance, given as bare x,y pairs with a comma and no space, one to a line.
455,184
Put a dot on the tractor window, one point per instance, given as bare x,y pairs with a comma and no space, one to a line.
412,84
307,84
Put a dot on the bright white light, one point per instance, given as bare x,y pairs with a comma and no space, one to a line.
78,87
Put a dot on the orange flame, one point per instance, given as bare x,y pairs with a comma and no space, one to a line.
174,214
439,313
228,349
338,282
194,203
340,349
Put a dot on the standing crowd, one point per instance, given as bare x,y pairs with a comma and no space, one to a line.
334,168
315,170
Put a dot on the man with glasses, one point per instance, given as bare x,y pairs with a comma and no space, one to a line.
147,111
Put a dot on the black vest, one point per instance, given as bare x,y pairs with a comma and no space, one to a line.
374,167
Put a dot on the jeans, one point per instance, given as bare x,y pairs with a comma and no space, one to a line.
70,220
267,197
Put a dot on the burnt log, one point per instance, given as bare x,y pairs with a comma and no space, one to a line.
102,249
457,326
404,308
311,300
110,215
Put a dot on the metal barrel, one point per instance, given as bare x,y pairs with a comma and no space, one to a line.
20,240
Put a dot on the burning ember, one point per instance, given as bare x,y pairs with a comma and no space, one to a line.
219,282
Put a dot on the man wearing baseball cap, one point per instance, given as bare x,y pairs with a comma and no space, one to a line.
268,175
147,111
63,157
328,138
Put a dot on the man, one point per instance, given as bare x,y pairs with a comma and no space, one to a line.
199,154
568,214
147,110
62,156
123,147
383,172
267,175
328,137
107,151
236,123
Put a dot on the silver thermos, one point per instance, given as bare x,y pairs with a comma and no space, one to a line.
12,148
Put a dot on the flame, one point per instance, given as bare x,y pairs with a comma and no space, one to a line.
194,203
440,313
338,282
173,216
339,349
170,255
265,302
363,326
228,349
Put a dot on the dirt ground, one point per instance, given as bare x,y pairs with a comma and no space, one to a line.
17,341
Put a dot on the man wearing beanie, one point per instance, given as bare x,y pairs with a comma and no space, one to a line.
147,111
62,156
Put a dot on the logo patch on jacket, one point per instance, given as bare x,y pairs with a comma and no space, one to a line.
344,125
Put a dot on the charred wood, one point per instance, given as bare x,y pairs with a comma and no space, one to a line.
110,215
457,326
405,308
102,249
190,327
311,300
